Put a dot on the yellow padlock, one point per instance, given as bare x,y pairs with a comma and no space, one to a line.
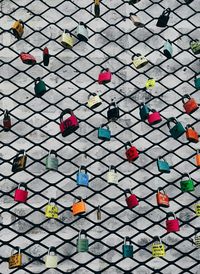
150,83
15,259
66,39
139,60
18,28
93,101
197,209
51,210
158,249
51,260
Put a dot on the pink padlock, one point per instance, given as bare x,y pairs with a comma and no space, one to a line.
132,200
173,224
104,76
154,117
21,195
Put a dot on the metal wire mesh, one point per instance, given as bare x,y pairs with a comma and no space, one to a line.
71,76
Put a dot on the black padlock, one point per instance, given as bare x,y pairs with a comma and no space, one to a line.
19,161
164,18
113,112
6,121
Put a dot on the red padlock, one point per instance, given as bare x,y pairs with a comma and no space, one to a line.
154,117
21,195
191,105
131,153
46,56
6,121
172,225
104,76
132,200
162,198
70,124
27,58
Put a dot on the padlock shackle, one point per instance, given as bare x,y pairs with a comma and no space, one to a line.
157,239
166,12
186,175
21,22
127,239
52,151
22,185
171,214
128,143
104,125
82,24
161,158
66,111
82,232
189,126
111,167
21,151
128,190
13,249
79,198
37,80
160,189
6,114
51,200
92,94
51,249
113,103
136,55
82,167
195,40
105,69
171,119
186,96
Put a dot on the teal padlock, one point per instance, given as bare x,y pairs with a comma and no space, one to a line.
195,46
82,243
144,111
168,50
187,185
40,88
177,130
197,82
104,133
127,248
82,178
163,165
52,160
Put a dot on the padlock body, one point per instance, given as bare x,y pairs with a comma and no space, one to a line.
150,83
177,130
197,83
158,250
46,57
190,106
19,163
69,125
172,225
51,162
192,135
127,251
94,102
7,123
162,21
187,185
132,154
112,177
51,211
144,112
104,134
67,40
21,195
104,77
195,47
163,166
82,179
197,241
162,199
78,208
197,209
51,261
168,51
113,114
82,33
154,118
197,158
132,201
40,88
27,58
15,260
140,62
18,29
82,245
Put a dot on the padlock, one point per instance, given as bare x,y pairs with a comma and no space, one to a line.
197,82
150,83
99,213
188,1
132,2
78,207
67,40
168,50
197,238
139,61
70,124
46,56
163,165
154,117
136,20
131,200
163,19
19,161
172,225
177,130
21,195
15,260
97,8
104,133
113,112
131,153
94,101
158,249
52,160
112,175
82,243
190,105
191,134
162,198
195,46
6,121
197,158
188,184
127,248
51,260
18,28
197,209
82,32
40,88
27,58
144,111
82,177
105,76
51,210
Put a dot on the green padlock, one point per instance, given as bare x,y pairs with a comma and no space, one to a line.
52,160
40,88
188,184
195,46
197,82
177,130
144,111
82,243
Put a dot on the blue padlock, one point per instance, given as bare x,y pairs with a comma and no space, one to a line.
82,178
163,165
127,249
104,133
144,111
197,82
168,50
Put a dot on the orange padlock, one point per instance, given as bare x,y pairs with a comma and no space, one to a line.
191,134
78,207
197,157
162,198
191,105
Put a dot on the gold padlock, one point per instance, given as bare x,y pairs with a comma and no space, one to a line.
94,101
139,60
18,28
51,210
197,209
66,39
15,259
158,249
